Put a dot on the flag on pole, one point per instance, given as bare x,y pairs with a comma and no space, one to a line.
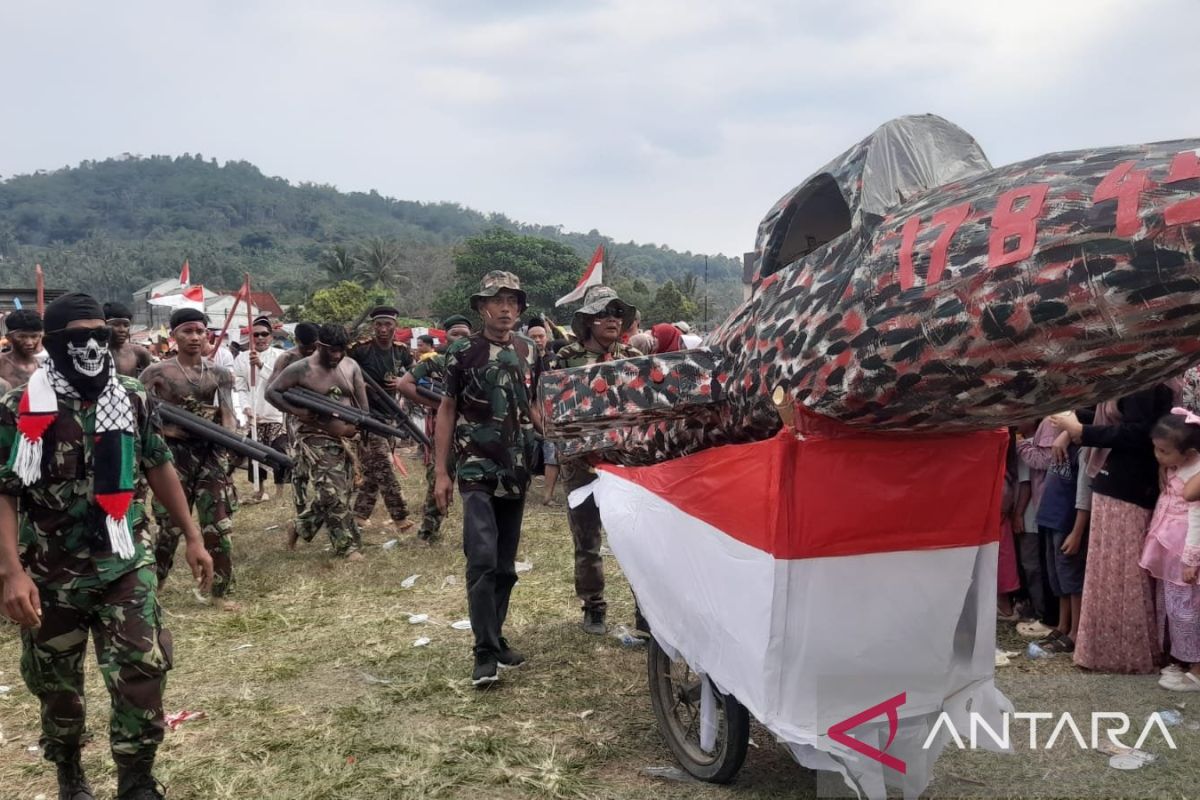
807,604
592,276
185,275
191,297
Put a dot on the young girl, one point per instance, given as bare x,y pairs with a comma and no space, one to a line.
1172,548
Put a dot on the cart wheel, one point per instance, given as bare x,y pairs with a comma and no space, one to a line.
675,695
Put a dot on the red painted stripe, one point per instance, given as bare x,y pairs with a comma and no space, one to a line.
841,496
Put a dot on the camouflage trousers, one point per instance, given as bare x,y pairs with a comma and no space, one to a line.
431,517
584,522
204,473
132,649
375,455
325,465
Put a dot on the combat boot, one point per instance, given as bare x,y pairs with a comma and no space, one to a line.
135,779
593,622
72,783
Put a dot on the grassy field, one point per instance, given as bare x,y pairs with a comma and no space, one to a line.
315,690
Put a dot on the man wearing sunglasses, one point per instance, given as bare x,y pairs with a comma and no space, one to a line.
268,419
598,327
130,358
78,446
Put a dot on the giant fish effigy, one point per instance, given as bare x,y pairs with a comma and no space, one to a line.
909,286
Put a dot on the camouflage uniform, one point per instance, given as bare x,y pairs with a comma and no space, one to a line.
325,465
375,452
431,369
584,519
85,586
204,473
494,443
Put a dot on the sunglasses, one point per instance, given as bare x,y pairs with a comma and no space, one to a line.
80,336
261,335
611,313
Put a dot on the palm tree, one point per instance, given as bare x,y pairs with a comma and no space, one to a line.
340,264
379,264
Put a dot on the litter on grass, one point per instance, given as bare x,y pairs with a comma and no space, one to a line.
461,625
417,619
409,582
389,545
240,647
523,566
179,717
424,640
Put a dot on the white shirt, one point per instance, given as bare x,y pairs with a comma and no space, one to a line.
264,411
221,357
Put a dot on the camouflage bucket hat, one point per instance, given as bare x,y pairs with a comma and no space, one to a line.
596,300
495,282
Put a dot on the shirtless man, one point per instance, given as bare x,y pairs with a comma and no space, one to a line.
130,358
324,458
190,382
306,344
25,335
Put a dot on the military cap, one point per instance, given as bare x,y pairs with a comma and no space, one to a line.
384,312
596,300
456,319
497,281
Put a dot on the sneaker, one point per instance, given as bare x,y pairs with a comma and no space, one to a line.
1186,682
1172,669
593,622
1033,630
508,658
485,670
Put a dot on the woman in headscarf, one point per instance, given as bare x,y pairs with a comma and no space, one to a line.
667,338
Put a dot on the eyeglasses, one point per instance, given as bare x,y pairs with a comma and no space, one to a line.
611,313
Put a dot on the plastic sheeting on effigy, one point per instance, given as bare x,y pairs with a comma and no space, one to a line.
816,578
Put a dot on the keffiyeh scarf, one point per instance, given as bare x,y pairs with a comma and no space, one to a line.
112,456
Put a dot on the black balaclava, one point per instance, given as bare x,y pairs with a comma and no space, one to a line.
81,355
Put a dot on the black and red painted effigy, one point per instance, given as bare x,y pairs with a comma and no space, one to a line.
908,286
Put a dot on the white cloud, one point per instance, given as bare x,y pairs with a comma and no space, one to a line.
676,121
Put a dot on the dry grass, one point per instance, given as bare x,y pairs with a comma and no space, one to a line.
333,701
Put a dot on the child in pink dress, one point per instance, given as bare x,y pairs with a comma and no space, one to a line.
1172,549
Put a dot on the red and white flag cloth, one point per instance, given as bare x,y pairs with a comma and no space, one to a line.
814,579
185,275
191,297
592,276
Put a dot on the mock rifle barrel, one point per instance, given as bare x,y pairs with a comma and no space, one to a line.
392,409
212,432
322,405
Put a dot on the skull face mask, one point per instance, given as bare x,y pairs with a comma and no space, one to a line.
82,356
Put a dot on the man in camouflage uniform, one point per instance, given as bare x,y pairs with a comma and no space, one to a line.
324,457
486,424
189,382
598,327
427,374
385,361
306,344
75,549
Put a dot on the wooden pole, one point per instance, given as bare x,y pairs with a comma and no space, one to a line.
41,290
229,316
254,476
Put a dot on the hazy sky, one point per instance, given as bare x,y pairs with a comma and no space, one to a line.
660,121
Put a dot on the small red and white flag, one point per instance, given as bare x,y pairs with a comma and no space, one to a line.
185,274
815,579
592,276
191,297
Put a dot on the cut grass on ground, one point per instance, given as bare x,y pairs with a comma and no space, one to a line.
315,690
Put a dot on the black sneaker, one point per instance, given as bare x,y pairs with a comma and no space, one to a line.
485,670
508,658
593,622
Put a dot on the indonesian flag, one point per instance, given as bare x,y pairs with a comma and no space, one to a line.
191,297
826,583
185,274
592,276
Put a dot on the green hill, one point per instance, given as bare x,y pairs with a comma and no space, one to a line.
113,226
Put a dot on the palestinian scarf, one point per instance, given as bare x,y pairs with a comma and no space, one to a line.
112,455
